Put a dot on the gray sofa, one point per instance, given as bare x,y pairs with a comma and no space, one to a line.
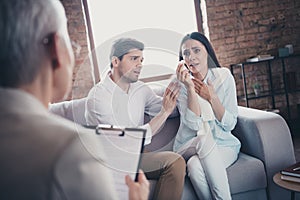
266,149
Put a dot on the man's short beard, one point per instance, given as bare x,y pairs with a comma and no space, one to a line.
128,79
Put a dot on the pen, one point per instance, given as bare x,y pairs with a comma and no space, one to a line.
296,169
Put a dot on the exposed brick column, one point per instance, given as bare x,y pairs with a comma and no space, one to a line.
82,74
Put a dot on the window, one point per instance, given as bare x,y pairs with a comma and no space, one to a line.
160,25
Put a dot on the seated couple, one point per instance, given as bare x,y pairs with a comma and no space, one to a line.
207,104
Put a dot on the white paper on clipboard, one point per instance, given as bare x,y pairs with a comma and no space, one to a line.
123,148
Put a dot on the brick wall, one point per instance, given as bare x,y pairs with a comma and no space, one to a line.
240,29
82,75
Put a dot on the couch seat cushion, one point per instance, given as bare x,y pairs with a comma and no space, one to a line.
246,174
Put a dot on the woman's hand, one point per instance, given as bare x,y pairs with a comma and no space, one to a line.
184,76
205,91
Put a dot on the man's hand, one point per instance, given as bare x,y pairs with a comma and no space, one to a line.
138,190
170,97
168,105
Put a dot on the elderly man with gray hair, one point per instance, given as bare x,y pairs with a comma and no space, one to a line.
44,156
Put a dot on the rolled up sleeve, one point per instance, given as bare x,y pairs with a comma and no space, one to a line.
148,133
191,120
228,121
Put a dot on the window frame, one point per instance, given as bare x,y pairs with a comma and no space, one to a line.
91,45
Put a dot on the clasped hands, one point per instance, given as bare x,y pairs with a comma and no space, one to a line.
206,91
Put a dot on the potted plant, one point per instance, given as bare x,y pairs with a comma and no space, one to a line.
257,88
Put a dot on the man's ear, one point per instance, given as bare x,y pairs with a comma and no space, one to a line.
58,51
115,61
61,61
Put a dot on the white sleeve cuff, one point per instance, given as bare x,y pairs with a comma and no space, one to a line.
148,137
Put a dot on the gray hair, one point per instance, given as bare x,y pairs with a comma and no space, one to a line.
24,25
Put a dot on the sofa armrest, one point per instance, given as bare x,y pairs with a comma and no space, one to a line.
266,136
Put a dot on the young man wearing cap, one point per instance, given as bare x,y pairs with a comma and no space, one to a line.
120,99
44,156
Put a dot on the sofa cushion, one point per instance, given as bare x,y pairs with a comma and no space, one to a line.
164,139
246,174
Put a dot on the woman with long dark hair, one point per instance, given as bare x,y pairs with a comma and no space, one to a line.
208,107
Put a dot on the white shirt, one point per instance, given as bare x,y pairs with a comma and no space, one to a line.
107,103
191,124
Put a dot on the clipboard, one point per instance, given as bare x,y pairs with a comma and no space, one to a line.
123,148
